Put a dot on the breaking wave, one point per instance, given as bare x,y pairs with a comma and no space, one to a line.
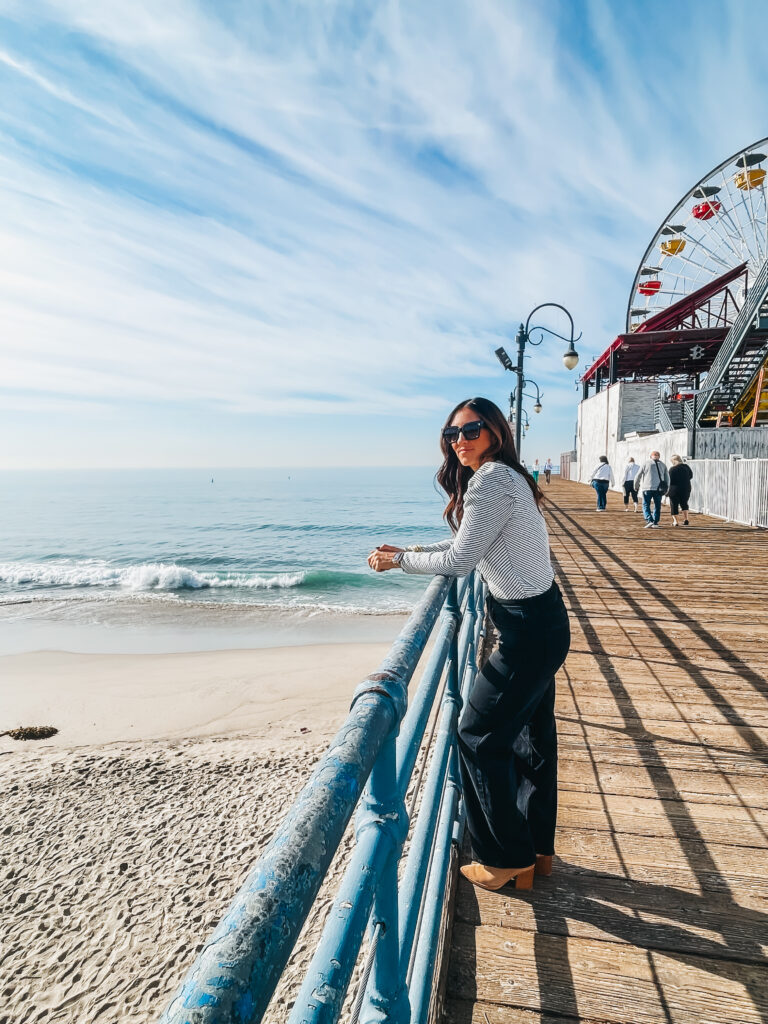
159,576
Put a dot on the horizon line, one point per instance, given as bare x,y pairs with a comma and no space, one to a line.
206,469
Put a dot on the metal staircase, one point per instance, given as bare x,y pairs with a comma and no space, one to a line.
668,415
751,410
741,355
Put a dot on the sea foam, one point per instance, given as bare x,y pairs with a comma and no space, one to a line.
142,577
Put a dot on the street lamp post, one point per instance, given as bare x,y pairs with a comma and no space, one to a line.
526,420
523,337
538,406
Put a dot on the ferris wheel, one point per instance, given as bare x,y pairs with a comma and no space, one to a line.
719,225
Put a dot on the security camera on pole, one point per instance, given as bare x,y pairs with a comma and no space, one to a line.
570,360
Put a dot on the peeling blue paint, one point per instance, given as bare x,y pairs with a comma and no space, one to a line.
234,976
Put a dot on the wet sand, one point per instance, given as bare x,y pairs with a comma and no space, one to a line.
125,837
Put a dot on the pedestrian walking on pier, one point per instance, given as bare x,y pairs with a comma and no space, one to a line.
601,479
548,467
535,471
680,476
653,479
630,491
507,735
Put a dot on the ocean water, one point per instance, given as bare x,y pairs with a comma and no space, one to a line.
187,559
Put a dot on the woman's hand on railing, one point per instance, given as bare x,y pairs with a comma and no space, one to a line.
380,559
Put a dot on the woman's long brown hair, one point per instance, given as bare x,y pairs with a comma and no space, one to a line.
454,478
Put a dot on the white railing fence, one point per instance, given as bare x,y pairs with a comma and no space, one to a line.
567,466
732,489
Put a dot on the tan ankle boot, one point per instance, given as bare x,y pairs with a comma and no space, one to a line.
495,878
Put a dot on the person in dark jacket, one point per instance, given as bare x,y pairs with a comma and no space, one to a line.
680,476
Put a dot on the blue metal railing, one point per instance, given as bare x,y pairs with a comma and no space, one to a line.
370,762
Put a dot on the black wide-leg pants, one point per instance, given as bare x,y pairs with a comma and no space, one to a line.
508,737
629,491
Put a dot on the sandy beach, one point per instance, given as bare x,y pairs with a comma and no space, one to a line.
108,698
125,836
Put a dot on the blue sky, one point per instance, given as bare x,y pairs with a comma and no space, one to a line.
293,233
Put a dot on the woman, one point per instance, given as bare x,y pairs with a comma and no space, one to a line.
630,491
535,471
601,479
680,476
507,736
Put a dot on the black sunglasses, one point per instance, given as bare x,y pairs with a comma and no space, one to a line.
471,432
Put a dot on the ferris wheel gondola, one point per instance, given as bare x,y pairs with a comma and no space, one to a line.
720,224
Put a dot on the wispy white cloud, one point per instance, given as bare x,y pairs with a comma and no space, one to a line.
337,207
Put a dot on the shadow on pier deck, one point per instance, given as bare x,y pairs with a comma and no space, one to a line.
657,910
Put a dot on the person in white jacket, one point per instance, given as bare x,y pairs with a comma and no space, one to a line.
601,479
630,491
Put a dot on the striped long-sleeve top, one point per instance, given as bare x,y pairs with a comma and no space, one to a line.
502,533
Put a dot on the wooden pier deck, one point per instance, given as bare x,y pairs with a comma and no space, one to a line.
657,910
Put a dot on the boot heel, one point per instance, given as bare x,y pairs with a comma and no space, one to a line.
494,878
543,864
525,879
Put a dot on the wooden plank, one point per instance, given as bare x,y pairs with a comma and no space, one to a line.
718,823
704,741
709,739
650,752
651,710
712,863
462,1011
650,749
672,783
667,812
620,910
639,685
583,978
653,640
587,856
